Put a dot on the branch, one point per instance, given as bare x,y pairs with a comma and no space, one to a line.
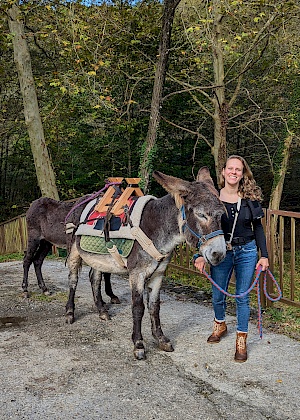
189,88
245,65
264,144
39,46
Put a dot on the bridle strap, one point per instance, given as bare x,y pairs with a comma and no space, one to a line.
202,238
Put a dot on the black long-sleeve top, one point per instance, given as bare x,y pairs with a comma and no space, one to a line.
245,226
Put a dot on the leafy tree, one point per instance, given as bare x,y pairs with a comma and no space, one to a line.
94,71
148,152
225,41
44,171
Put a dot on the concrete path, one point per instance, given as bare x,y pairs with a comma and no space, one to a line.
52,370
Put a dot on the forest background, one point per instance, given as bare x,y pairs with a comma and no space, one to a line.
124,88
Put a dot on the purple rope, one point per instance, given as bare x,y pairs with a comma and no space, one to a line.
255,283
259,316
91,197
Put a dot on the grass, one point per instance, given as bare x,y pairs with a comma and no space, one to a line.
57,296
19,257
11,257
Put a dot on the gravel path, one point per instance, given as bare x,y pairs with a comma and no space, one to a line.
87,370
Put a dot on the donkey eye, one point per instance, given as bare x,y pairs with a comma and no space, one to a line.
202,215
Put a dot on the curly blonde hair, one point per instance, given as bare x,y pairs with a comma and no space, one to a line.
247,187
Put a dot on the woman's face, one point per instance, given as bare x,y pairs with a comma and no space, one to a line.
233,172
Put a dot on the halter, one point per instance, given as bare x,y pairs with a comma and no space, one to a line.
202,238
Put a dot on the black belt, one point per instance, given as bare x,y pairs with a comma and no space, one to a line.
240,240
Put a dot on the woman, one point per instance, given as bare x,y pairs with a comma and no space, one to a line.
244,233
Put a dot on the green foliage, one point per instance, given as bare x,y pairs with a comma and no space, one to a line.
10,257
58,296
94,71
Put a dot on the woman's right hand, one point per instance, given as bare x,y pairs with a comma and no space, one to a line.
200,264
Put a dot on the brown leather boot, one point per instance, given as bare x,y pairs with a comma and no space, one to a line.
241,347
219,330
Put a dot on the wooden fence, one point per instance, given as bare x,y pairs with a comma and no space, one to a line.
13,235
283,246
284,249
284,256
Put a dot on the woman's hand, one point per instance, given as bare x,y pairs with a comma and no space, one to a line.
264,262
200,264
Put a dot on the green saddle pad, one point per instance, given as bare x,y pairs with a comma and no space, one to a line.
97,245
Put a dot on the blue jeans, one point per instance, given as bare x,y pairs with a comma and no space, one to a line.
242,259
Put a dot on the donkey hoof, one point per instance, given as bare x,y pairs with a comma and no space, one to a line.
139,350
26,294
115,300
104,316
70,318
166,346
139,354
46,292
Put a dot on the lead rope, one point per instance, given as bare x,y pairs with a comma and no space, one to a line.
255,283
90,198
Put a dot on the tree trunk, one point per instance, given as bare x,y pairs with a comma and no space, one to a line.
148,152
43,167
279,176
220,106
275,198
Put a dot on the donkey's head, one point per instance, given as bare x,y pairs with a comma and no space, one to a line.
201,211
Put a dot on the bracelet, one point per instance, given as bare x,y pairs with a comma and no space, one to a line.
195,256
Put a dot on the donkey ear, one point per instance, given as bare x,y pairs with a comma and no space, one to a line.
172,184
204,175
177,187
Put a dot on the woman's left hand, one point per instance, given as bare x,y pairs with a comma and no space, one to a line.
264,262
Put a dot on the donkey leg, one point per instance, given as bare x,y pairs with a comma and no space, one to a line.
138,309
74,265
32,247
96,279
38,260
153,302
108,289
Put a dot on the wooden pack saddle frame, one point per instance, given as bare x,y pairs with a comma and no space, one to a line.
115,205
114,202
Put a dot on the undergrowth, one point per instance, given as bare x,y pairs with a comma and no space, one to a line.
11,257
19,257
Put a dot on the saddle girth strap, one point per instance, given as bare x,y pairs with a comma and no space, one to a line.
146,243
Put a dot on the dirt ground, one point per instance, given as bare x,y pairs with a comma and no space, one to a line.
86,370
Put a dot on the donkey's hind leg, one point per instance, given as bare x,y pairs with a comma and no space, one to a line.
138,308
32,247
108,289
38,260
153,302
74,264
96,279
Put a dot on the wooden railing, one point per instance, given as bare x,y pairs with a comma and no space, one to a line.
13,235
283,246
284,253
284,249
